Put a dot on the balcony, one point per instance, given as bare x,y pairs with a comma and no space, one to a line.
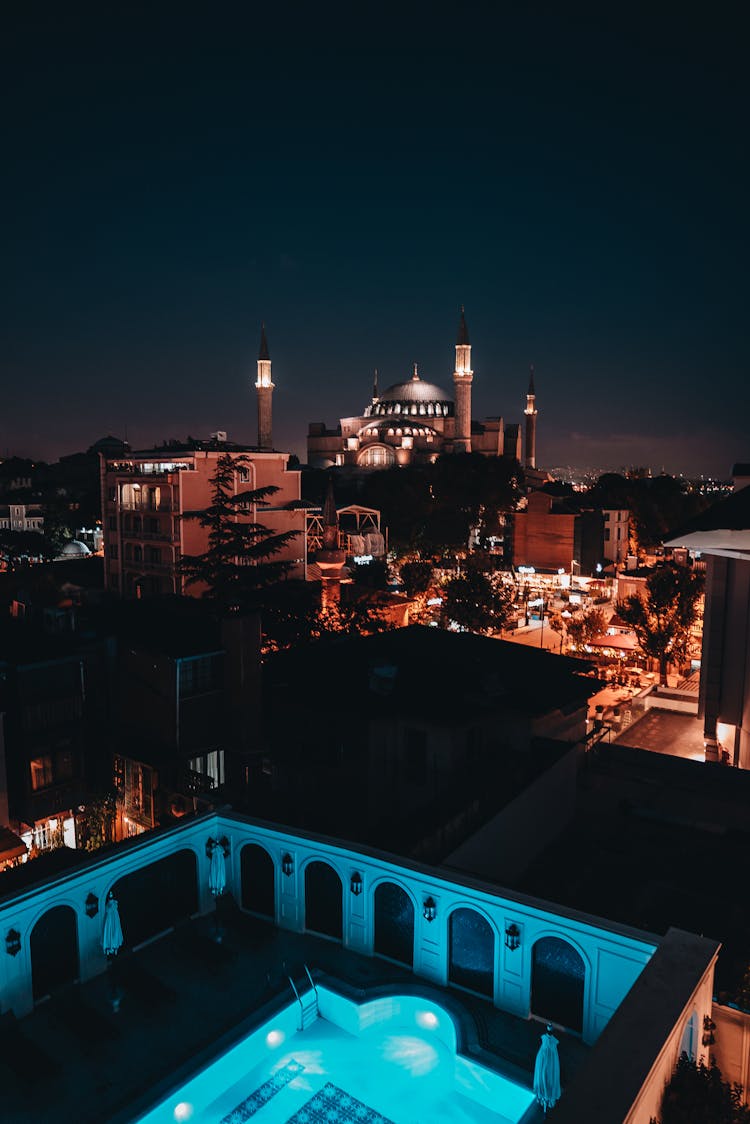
150,536
144,566
145,505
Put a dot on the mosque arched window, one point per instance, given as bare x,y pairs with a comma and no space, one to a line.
376,456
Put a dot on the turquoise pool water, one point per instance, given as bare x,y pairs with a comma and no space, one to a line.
392,1061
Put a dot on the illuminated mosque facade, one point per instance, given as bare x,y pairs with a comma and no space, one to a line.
416,421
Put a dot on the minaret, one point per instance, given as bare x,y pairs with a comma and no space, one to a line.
462,377
264,390
375,396
530,412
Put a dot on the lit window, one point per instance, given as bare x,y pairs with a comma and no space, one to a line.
41,772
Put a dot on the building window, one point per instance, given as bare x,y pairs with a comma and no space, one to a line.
41,772
606,534
199,676
210,765
112,522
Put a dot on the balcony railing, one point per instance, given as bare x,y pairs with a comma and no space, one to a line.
145,505
150,536
142,566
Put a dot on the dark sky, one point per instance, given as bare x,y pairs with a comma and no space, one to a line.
174,174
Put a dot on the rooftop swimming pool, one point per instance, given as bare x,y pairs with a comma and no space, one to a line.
392,1060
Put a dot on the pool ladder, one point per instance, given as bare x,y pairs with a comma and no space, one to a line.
308,1002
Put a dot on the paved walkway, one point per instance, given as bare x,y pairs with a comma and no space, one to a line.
185,999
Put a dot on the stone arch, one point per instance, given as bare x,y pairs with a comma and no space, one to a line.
472,941
376,456
393,922
53,950
324,899
157,896
558,982
258,880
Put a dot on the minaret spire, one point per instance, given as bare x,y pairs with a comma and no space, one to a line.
462,379
530,412
264,388
375,387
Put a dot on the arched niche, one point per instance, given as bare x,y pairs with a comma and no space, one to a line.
324,912
558,978
258,878
471,951
54,951
393,934
157,896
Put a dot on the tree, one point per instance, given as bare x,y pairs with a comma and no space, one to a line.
99,824
697,1094
662,619
477,602
583,629
17,548
417,577
236,564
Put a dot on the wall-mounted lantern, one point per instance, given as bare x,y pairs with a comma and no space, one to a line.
356,884
287,864
512,937
429,911
223,843
13,942
709,1026
91,905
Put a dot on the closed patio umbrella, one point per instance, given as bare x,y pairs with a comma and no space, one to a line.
217,874
112,929
547,1071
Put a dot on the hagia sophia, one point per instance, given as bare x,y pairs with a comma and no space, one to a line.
415,421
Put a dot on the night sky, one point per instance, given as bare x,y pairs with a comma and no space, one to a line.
352,175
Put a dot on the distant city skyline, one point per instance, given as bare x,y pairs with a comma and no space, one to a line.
578,183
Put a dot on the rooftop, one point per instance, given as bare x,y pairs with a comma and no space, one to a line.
403,667
186,999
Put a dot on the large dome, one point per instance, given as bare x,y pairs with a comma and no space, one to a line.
413,397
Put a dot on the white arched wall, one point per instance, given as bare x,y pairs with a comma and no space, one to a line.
614,956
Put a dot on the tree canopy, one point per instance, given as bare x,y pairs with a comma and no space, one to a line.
432,509
663,617
239,558
478,602
697,1094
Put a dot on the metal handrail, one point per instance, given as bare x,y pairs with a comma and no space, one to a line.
312,982
301,1008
